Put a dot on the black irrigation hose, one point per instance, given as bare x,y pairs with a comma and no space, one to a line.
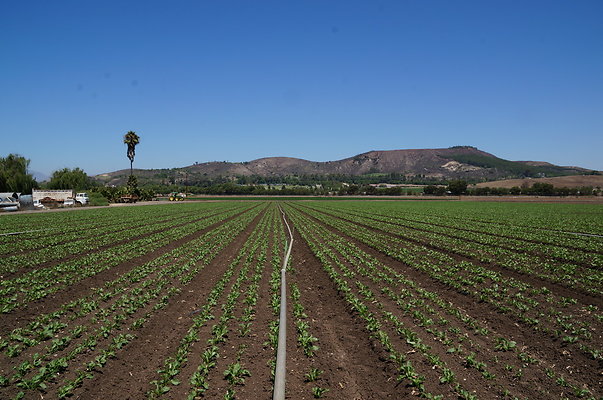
281,351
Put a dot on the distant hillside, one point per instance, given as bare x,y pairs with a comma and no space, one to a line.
459,162
571,181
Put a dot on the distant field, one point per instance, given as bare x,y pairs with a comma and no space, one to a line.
386,300
571,181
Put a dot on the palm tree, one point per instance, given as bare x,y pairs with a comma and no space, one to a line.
131,139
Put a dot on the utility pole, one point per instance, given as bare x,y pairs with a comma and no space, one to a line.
185,183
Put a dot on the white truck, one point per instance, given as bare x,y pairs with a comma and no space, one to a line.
82,198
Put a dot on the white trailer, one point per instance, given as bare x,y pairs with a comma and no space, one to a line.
52,198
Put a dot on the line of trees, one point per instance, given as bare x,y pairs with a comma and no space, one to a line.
455,188
537,189
15,177
459,187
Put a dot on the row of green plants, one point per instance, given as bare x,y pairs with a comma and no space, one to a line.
227,294
106,235
545,261
307,343
41,282
496,221
581,250
59,230
424,311
121,306
508,295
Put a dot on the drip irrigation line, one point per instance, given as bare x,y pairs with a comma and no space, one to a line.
584,234
18,233
281,350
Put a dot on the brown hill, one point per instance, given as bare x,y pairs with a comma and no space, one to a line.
459,162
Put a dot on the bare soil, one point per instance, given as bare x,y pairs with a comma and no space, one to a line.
354,364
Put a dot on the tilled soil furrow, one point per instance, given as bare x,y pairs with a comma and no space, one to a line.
136,366
549,349
353,364
235,348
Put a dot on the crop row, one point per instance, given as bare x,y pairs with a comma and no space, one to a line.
490,219
88,331
548,246
123,231
439,334
538,308
559,218
40,283
485,249
70,231
193,370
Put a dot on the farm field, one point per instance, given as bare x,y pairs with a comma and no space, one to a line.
386,300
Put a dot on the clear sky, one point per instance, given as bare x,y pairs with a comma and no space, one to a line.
320,80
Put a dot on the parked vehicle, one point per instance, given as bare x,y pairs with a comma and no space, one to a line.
52,198
58,198
128,199
174,196
9,203
82,198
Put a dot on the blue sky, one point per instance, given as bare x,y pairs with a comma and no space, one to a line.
320,80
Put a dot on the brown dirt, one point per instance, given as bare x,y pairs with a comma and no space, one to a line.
572,181
545,348
355,365
128,375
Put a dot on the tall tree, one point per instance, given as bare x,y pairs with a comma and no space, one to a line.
70,179
14,176
131,139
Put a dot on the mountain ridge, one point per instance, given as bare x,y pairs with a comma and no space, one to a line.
457,162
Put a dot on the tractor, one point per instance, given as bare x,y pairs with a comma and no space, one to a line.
176,196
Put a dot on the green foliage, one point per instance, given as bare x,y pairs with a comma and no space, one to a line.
131,139
97,199
434,190
543,189
75,179
14,176
457,187
235,374
512,167
503,344
132,186
318,392
537,189
113,194
313,375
